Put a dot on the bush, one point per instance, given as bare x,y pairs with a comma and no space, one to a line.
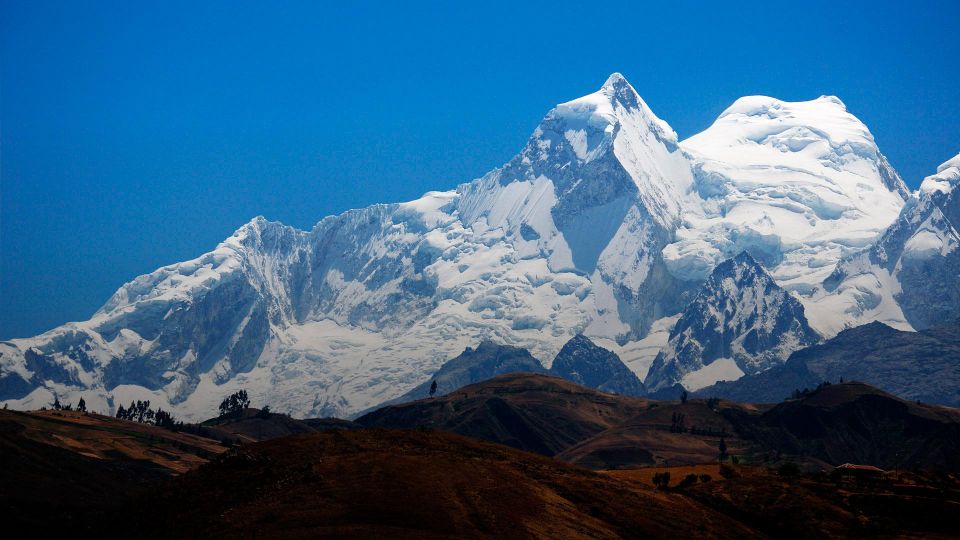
687,481
727,471
704,478
662,480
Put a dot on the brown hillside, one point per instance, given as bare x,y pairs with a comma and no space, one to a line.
66,472
647,438
537,413
418,484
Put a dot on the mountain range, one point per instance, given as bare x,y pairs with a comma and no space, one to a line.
695,261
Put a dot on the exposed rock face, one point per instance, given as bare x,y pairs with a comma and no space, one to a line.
740,314
583,362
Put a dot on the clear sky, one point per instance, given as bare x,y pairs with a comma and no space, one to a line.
136,134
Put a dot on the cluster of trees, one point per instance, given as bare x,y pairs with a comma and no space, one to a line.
57,406
140,411
797,393
235,402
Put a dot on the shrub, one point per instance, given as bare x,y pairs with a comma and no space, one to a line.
687,481
662,480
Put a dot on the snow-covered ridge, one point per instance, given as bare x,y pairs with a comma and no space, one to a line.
908,278
797,184
604,224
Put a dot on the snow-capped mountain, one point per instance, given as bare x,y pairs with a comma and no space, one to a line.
603,225
910,279
797,184
740,322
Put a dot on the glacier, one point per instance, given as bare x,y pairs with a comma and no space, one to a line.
605,224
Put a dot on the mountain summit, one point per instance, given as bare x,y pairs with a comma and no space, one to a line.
740,322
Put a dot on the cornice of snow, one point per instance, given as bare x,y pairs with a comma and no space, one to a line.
947,177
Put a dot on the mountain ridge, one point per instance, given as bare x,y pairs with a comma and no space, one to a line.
596,227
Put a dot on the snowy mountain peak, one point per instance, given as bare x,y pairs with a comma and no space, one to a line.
785,180
616,81
833,99
740,322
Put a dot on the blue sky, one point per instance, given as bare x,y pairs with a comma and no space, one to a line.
138,134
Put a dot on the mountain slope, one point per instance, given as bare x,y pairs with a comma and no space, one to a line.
856,423
417,484
537,413
582,362
916,366
910,278
740,322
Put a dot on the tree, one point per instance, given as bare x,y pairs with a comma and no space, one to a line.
56,403
121,413
82,405
433,388
164,419
723,449
683,396
264,412
235,402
